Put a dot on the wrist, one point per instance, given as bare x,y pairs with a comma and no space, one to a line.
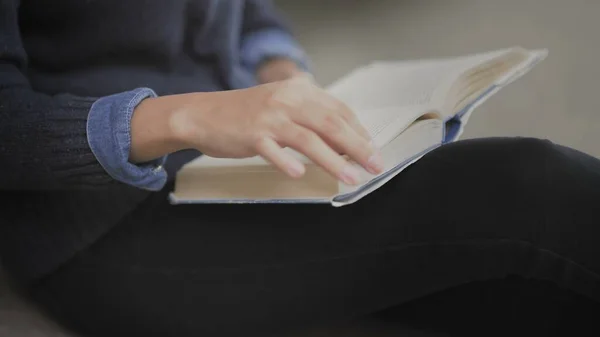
152,134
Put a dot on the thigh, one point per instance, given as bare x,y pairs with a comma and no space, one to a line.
499,307
471,210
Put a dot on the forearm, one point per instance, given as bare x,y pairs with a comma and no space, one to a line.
43,143
166,124
63,141
152,132
70,142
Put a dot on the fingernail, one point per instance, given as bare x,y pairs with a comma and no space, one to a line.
295,169
375,163
350,175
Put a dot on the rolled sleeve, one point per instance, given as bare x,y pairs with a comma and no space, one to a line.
268,43
109,137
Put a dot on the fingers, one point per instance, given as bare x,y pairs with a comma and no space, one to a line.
317,101
322,128
327,103
353,121
341,136
271,151
310,144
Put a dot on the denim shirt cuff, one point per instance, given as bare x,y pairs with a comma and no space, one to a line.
267,43
109,137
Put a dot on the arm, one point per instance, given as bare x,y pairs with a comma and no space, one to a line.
262,120
63,141
269,48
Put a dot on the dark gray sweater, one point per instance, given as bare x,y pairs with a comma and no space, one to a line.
59,57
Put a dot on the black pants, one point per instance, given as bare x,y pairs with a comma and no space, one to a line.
505,211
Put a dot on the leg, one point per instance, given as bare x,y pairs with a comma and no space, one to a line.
469,211
499,307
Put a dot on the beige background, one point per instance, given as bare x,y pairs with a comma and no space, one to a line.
557,100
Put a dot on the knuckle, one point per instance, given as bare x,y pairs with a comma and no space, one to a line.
360,152
302,137
280,122
367,150
332,124
259,142
341,108
287,93
273,120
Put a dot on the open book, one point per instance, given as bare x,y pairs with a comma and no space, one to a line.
410,108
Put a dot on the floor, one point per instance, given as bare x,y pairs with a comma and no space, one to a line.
555,101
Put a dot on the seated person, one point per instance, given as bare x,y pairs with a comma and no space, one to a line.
97,98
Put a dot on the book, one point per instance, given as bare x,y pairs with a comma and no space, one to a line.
409,107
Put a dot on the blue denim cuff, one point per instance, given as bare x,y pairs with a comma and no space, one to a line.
267,43
109,137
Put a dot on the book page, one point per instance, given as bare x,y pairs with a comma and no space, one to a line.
384,91
479,83
388,96
476,85
383,85
420,138
385,124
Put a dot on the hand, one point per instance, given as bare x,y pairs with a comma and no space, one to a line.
278,69
264,119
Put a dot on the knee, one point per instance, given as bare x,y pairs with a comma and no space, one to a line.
506,163
505,154
531,159
533,145
509,162
532,151
540,168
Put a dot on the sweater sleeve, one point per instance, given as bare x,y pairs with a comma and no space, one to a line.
267,34
44,140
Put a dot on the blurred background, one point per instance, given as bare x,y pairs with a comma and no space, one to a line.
557,100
